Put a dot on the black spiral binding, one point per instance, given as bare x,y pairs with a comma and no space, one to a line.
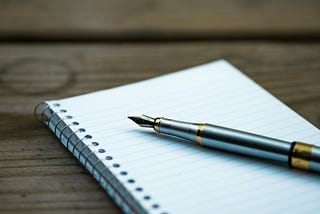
76,144
43,107
50,118
35,112
59,121
65,127
80,152
73,133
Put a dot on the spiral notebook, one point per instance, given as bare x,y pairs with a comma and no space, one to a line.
148,173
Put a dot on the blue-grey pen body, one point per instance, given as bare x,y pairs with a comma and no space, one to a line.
236,141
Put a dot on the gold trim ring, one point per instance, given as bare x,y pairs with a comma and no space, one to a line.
301,155
156,126
199,132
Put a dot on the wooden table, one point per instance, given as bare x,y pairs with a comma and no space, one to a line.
55,49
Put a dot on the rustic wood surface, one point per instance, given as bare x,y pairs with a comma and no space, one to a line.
37,173
78,47
162,19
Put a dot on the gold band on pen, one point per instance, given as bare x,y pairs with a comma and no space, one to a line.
157,124
199,132
301,155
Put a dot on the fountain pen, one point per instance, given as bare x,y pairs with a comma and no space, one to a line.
294,154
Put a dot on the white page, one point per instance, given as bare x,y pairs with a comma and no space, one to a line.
184,178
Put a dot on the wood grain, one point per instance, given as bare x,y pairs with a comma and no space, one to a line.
162,19
39,175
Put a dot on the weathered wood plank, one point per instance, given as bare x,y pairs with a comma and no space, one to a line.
30,73
147,19
37,174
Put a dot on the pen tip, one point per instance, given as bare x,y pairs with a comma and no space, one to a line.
143,120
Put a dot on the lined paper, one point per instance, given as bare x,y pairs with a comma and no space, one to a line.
180,177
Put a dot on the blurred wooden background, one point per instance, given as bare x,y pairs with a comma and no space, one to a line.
55,49
158,19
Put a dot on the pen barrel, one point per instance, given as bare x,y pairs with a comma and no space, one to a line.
296,154
245,143
227,139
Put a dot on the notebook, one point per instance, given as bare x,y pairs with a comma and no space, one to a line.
146,172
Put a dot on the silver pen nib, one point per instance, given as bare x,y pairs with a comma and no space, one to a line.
143,120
